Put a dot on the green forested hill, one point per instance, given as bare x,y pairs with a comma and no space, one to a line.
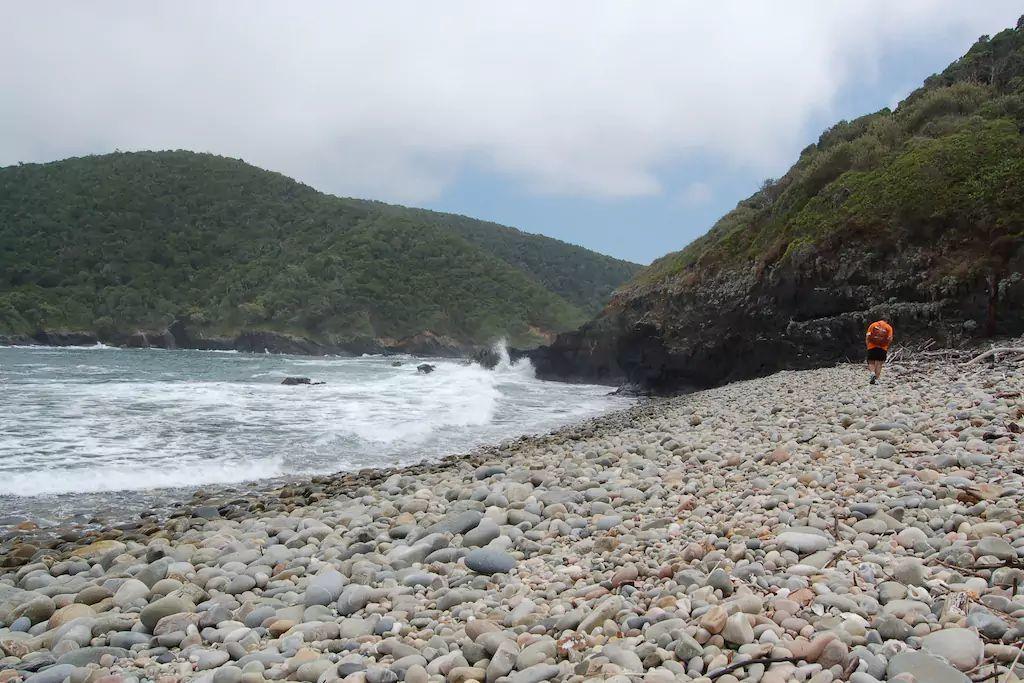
579,275
947,164
121,242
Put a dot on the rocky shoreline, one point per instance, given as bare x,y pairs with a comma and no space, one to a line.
178,335
799,527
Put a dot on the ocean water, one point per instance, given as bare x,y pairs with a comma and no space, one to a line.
108,431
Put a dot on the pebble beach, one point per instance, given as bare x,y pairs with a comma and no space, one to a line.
804,526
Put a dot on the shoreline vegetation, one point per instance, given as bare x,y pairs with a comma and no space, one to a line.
799,526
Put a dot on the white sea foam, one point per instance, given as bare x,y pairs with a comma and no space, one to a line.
98,346
135,478
77,422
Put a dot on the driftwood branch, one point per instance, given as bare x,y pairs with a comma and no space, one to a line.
1010,672
768,661
992,352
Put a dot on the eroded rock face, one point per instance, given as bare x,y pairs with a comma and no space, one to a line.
806,312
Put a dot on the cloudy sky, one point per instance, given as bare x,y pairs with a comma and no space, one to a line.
628,127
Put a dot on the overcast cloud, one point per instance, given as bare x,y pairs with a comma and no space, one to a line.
394,100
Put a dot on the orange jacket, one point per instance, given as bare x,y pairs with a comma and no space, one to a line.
879,342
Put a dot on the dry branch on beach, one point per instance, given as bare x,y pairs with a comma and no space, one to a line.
996,352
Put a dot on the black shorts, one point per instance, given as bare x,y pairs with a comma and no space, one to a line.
877,354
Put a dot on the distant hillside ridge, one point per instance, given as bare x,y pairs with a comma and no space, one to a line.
915,215
184,249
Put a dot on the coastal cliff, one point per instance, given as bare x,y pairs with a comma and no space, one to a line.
915,215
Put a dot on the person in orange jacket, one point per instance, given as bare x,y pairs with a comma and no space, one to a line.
878,340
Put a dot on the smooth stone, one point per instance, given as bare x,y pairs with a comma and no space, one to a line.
686,648
891,628
164,607
416,674
484,533
715,619
97,550
535,674
924,668
227,674
459,596
910,572
39,608
311,671
802,543
21,625
129,639
129,592
324,588
353,598
738,630
606,609
91,655
996,547
66,615
458,523
489,561
885,451
719,580
536,653
52,674
210,659
961,647
990,625
502,662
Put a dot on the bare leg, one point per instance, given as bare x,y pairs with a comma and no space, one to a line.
876,367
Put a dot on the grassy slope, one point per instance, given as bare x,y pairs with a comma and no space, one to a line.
123,241
946,167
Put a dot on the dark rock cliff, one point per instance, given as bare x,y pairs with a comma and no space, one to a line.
803,314
914,214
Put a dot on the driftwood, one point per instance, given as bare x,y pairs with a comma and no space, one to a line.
1012,666
992,352
739,665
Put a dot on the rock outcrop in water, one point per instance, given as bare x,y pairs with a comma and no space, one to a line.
296,381
913,215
